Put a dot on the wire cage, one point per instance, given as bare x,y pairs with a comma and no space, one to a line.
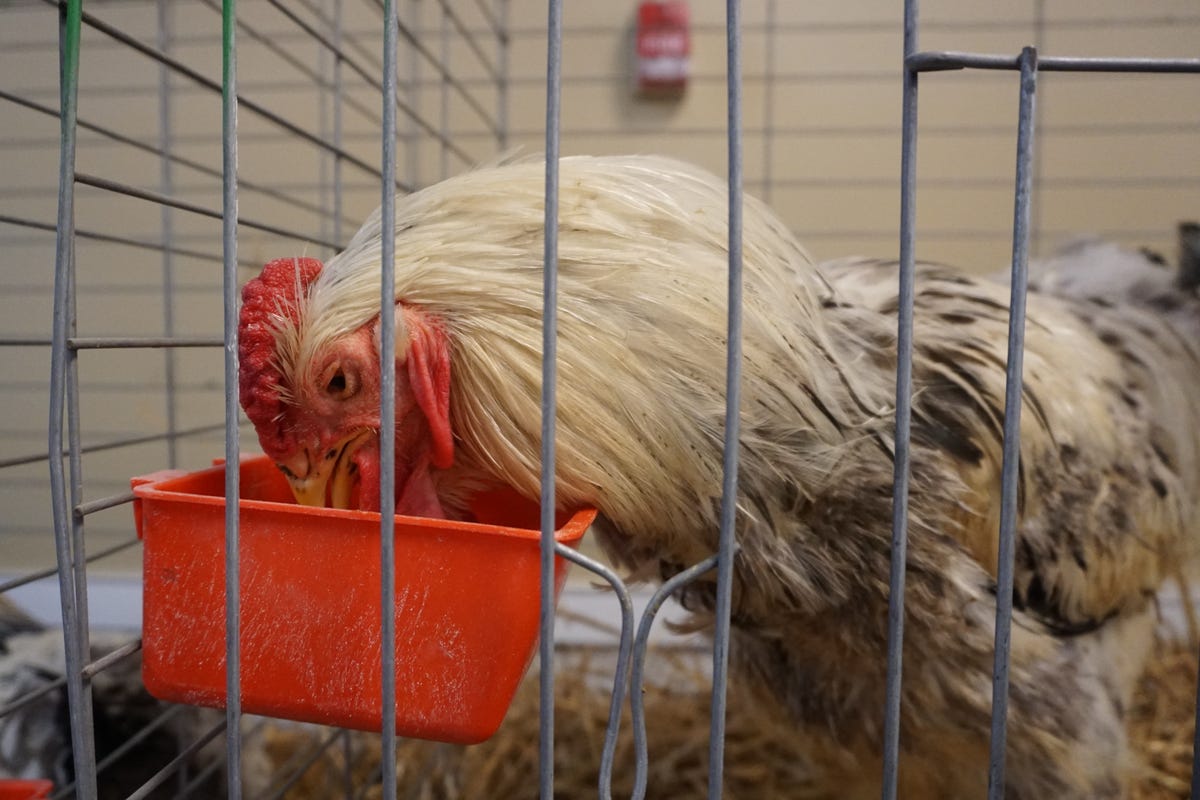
376,98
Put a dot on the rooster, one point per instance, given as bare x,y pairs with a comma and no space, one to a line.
1108,471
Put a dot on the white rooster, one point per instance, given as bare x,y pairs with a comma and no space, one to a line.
1109,449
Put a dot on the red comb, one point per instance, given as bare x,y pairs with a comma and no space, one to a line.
275,291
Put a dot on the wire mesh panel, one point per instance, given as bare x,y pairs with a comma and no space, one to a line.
1028,65
328,108
307,202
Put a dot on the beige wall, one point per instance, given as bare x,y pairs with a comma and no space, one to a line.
1117,155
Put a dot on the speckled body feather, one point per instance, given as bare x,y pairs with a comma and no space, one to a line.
1109,457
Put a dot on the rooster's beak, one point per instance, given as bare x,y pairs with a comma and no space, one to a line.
309,477
310,490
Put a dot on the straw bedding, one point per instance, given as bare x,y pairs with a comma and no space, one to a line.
758,762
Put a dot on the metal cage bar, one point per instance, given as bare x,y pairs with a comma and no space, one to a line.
412,92
70,509
159,199
727,541
620,671
216,87
387,411
640,645
229,285
502,76
338,99
167,220
765,184
904,356
69,577
336,201
1012,424
554,28
164,774
81,233
1028,63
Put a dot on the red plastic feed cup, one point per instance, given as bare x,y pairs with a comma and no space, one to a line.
466,604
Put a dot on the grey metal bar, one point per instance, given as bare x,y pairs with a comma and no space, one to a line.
347,765
944,182
502,79
727,541
173,158
490,18
950,234
160,777
387,408
50,571
166,216
1039,177
328,44
297,765
108,659
69,790
338,184
366,785
100,288
600,78
323,83
271,42
819,130
89,670
29,697
412,139
22,342
620,671
75,462
200,777
229,289
938,60
338,98
641,644
768,123
352,37
458,85
138,342
444,98
104,237
409,109
125,746
469,37
128,442
202,80
1003,23
78,695
904,355
554,28
1012,423
112,501
161,199
953,182
414,40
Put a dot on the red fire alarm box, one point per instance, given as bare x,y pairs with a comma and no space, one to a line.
663,47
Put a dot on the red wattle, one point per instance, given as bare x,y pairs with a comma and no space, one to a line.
415,492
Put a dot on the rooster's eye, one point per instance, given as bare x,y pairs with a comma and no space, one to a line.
341,384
